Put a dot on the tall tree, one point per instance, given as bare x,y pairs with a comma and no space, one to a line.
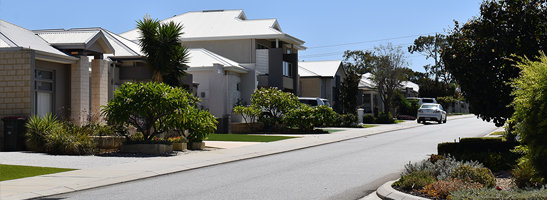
356,63
166,56
478,51
431,47
388,71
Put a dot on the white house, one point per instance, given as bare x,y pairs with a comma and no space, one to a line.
368,96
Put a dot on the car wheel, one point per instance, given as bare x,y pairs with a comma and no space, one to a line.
440,120
444,120
419,121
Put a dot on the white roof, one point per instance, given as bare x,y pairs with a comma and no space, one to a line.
82,36
15,36
202,59
223,25
366,82
93,39
319,68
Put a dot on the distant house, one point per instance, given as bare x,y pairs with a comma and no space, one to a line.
222,83
369,99
230,34
322,79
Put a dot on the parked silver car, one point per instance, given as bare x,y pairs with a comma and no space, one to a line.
431,112
314,101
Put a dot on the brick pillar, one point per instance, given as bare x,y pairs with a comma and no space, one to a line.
79,88
99,86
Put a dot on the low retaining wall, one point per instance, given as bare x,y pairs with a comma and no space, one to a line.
108,142
242,128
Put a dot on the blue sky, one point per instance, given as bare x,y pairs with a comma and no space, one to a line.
363,23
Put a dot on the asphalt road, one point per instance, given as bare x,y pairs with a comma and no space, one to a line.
344,170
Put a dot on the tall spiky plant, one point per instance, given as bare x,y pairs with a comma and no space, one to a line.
166,56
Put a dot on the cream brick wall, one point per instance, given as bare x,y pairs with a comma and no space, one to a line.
99,85
15,86
79,90
310,87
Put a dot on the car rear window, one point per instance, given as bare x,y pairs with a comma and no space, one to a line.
309,102
429,106
428,101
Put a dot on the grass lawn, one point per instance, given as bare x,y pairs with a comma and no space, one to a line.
9,172
245,138
399,121
332,130
498,133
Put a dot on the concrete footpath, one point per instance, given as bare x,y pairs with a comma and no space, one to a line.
52,184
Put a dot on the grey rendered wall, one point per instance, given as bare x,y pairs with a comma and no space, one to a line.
275,71
62,86
241,51
248,83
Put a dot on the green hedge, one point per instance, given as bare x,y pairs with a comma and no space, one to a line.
493,153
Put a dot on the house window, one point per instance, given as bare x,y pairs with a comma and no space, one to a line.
287,69
237,86
43,86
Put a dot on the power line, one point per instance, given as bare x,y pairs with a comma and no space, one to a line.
342,52
334,45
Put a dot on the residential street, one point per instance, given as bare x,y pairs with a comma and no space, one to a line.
349,169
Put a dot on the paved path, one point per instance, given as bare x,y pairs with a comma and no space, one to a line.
87,178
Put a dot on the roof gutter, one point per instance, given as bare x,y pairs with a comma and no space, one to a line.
46,56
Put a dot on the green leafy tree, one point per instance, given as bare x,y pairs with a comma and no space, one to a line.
153,108
477,53
356,63
166,57
275,102
431,47
349,89
249,113
388,72
530,105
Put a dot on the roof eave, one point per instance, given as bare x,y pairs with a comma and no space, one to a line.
51,57
236,69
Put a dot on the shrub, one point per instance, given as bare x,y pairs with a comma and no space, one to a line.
384,118
406,107
433,158
442,188
68,140
153,108
441,169
368,119
200,124
446,101
324,115
347,120
415,180
38,128
492,153
306,117
524,175
249,113
275,102
478,174
530,114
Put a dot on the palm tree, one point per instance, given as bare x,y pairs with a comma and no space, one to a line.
166,56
